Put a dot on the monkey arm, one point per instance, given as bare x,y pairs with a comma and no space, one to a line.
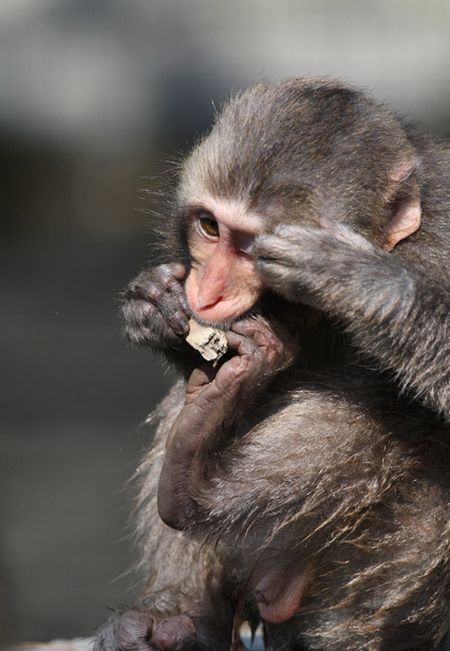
208,424
397,315
216,401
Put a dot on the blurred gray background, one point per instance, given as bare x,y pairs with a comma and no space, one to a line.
97,97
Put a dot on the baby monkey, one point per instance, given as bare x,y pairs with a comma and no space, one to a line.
303,481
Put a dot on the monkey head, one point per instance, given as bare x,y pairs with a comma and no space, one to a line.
306,152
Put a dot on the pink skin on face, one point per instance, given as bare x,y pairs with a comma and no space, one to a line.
222,283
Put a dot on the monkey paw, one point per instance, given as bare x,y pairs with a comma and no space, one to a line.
215,398
137,630
154,307
306,264
262,349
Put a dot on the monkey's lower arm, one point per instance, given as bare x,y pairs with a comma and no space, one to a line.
404,323
396,315
200,428
216,401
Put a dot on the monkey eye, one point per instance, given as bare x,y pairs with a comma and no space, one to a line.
208,225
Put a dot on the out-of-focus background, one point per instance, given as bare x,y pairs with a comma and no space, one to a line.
97,97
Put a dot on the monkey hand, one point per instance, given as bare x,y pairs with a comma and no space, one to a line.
262,350
319,267
138,630
216,399
154,307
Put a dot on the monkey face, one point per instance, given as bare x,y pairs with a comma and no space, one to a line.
222,283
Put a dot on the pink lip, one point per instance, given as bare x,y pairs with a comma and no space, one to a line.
216,312
208,306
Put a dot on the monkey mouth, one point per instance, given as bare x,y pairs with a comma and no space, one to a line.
223,325
226,324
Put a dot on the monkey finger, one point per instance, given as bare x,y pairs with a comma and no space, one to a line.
229,380
259,332
174,306
345,234
165,308
198,379
275,274
293,232
179,322
143,323
156,285
264,333
320,242
179,295
178,271
168,274
270,248
291,245
273,341
172,277
169,304
243,345
296,284
257,328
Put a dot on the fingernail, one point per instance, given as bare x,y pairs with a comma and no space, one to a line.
180,323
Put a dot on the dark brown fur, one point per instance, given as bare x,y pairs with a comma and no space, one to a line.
342,463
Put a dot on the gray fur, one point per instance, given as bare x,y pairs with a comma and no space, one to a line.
345,460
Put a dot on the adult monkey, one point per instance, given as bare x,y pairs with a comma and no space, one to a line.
308,475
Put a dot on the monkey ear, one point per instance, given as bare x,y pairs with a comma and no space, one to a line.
406,215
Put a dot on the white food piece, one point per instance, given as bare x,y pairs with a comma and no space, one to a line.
210,342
